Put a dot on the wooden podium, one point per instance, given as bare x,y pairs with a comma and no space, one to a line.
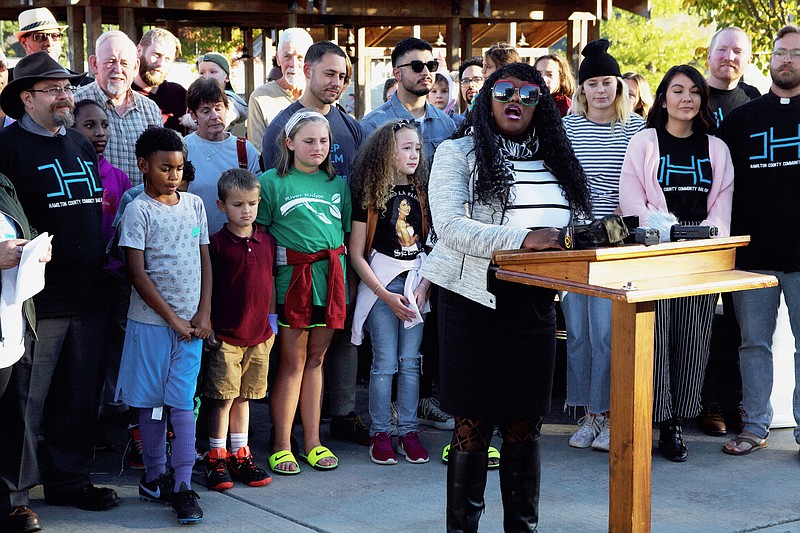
634,277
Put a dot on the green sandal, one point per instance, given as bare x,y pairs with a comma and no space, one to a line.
494,457
319,452
283,456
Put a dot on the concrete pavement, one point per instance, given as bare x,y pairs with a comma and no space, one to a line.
711,492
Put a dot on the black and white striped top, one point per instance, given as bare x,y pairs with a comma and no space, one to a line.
537,199
601,152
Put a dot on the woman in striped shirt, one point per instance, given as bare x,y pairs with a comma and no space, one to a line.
508,179
599,130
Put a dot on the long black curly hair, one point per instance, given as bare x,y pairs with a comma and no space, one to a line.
494,180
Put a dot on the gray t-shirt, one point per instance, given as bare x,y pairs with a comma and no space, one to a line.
210,160
170,237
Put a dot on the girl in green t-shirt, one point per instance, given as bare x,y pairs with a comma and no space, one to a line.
307,209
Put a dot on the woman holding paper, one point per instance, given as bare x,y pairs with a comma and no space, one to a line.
17,447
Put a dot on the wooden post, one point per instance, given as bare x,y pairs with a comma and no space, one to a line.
249,68
578,35
94,28
454,53
632,414
466,40
75,20
127,23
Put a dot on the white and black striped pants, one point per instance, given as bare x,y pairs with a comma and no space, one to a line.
682,341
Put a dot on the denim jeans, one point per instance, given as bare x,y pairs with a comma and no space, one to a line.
757,312
588,321
395,350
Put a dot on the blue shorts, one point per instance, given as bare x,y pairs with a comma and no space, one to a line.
156,369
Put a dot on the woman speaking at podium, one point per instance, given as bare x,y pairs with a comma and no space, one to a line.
507,179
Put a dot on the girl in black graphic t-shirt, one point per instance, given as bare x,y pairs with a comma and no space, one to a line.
675,167
386,250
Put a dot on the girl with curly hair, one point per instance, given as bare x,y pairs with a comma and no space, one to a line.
507,179
390,224
677,172
560,79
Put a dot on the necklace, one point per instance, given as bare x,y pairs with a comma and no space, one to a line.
219,146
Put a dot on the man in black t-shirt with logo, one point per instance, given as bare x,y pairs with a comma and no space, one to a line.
763,141
729,54
54,170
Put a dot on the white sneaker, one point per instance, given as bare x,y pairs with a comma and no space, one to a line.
603,440
590,428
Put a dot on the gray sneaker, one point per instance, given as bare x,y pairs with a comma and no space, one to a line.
603,440
587,432
429,414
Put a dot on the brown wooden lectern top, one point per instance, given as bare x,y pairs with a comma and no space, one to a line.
667,270
633,277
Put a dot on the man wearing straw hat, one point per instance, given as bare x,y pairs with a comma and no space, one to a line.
39,31
54,170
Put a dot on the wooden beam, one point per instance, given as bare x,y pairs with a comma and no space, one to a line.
578,35
452,34
75,20
332,33
127,24
94,27
465,41
630,458
249,67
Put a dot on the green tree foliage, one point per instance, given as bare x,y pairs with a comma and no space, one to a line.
197,41
651,46
761,19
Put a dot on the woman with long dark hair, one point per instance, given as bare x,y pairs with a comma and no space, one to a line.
507,179
674,172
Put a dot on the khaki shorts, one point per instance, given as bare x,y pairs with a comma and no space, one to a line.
236,371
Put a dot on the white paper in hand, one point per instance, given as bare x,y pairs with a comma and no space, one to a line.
30,276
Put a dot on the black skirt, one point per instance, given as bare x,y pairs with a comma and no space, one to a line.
497,364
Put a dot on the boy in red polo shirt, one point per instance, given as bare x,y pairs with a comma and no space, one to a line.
242,315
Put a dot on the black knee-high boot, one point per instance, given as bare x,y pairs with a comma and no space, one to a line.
466,482
520,475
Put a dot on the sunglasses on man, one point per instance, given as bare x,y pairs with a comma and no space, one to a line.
529,93
41,37
417,65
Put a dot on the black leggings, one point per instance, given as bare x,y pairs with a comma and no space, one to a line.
474,435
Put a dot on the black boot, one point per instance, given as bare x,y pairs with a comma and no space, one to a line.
670,440
520,473
466,481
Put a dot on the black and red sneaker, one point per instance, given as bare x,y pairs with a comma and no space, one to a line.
134,448
217,475
245,470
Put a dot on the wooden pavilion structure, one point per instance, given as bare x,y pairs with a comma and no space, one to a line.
467,26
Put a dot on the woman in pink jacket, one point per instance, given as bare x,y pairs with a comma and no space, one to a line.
675,172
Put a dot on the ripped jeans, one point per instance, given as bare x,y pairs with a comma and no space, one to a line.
395,350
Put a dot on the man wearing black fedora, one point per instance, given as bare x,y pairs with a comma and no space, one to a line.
54,170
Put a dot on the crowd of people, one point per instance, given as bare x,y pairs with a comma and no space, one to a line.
190,267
